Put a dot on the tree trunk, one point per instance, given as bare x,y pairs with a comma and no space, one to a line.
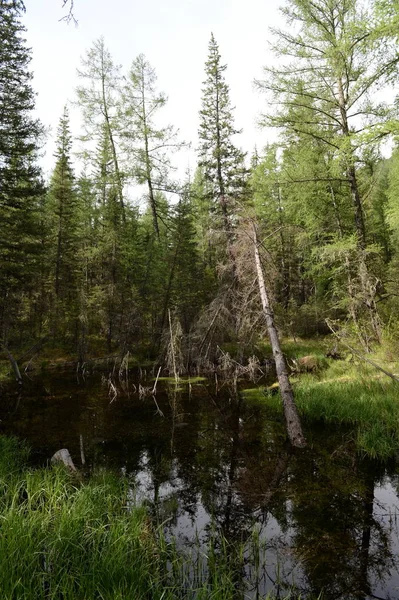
111,140
148,169
294,427
350,168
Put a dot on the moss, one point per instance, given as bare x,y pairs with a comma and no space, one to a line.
4,370
182,380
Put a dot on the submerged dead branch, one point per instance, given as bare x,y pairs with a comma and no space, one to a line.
234,369
174,348
112,390
154,389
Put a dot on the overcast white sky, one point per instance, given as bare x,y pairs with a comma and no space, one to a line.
173,35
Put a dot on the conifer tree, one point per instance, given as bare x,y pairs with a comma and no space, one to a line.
20,180
147,146
63,201
97,98
221,160
113,257
109,224
185,290
332,62
204,220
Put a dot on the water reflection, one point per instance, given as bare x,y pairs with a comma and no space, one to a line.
322,520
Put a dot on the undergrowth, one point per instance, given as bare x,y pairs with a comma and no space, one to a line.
349,392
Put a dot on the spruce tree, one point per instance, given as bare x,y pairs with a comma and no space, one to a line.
20,182
65,224
221,160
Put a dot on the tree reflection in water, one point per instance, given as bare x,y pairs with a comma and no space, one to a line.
216,468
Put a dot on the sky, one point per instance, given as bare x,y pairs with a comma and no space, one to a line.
174,37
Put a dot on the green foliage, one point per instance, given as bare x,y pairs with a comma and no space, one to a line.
147,146
393,194
21,187
93,268
189,289
64,224
330,175
222,163
346,395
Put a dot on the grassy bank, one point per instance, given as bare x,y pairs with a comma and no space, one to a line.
348,392
61,538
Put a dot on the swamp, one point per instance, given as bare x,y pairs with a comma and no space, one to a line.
193,491
199,329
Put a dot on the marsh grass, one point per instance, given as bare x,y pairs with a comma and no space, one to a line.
348,393
371,406
62,539
294,349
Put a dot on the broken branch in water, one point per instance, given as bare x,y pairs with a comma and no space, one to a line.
154,389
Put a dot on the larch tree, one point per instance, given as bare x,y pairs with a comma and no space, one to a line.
147,145
21,186
334,68
97,99
337,56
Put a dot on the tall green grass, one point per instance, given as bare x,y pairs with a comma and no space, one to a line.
61,539
353,395
370,406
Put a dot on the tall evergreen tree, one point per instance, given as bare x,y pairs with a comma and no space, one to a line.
20,181
186,289
65,225
63,196
221,160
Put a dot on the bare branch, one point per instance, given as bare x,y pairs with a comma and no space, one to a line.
70,16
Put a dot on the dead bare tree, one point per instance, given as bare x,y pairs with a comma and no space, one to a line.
293,422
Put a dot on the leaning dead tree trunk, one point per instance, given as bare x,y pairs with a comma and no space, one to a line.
294,427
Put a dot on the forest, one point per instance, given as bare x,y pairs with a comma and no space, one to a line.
91,271
278,264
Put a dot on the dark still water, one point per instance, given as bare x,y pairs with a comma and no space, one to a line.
211,462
